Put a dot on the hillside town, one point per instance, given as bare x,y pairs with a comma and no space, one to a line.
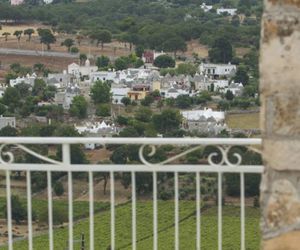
122,122
143,86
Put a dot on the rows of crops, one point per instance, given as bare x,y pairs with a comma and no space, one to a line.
231,228
81,208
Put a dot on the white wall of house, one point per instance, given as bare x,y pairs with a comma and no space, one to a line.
217,69
231,12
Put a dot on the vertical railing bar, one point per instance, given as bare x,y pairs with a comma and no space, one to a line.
176,212
29,209
133,197
67,162
50,211
242,177
9,211
198,207
91,207
155,241
112,211
220,211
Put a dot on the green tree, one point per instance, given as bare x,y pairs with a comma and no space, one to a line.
18,211
164,61
229,95
46,37
39,88
11,97
241,75
79,107
169,119
139,50
119,156
101,36
6,35
68,43
235,21
82,58
29,33
103,109
126,101
8,131
102,61
183,101
18,34
148,100
121,64
221,51
100,92
143,114
223,105
58,188
174,44
186,69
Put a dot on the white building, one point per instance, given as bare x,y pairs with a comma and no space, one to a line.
48,1
204,121
104,76
16,2
173,93
95,130
78,71
205,7
7,121
206,113
236,89
118,94
231,12
217,69
28,79
220,84
65,98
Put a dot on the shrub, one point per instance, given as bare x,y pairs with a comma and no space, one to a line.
103,110
60,216
74,50
58,188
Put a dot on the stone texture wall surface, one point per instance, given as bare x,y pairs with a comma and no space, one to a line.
280,124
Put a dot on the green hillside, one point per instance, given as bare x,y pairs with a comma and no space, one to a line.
231,228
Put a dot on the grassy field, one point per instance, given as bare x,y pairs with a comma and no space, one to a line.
243,121
81,208
231,228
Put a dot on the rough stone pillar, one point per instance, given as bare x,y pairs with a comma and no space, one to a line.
280,122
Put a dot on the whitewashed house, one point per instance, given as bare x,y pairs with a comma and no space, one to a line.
118,93
96,129
217,70
28,79
65,98
205,7
229,11
7,121
60,80
105,76
236,89
78,71
16,2
204,121
173,93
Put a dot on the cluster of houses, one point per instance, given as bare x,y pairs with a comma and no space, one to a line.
137,83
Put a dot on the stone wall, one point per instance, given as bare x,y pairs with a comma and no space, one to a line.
280,123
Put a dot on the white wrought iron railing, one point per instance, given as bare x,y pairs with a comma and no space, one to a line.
219,161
